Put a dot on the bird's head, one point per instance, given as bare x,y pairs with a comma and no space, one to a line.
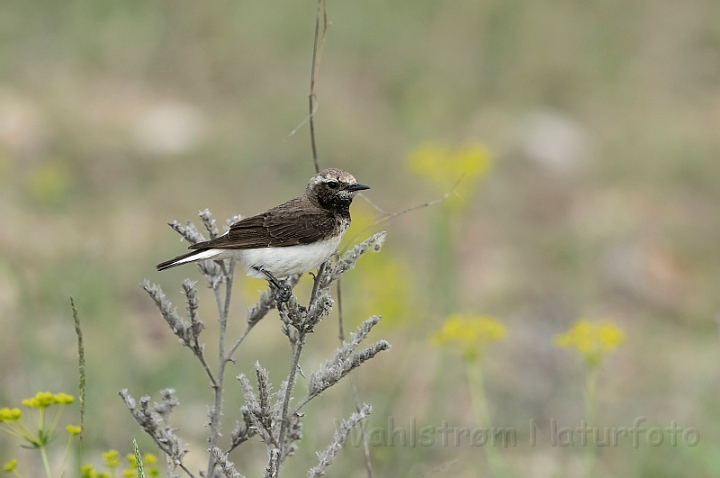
333,188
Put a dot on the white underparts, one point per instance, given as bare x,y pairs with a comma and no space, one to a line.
279,261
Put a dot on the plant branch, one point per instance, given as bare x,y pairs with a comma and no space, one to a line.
151,423
353,384
288,390
326,457
196,326
316,56
215,412
345,360
226,466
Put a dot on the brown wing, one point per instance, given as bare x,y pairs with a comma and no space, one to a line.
292,223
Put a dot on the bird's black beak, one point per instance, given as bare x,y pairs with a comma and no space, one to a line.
358,187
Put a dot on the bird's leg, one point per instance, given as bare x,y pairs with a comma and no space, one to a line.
221,263
285,290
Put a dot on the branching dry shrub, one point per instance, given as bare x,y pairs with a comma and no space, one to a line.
266,414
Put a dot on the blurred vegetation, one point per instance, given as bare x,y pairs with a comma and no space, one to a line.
601,119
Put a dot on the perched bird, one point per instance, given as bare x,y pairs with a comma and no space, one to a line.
292,238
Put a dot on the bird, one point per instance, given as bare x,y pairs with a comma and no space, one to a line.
293,238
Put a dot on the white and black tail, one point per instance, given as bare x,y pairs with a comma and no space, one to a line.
193,256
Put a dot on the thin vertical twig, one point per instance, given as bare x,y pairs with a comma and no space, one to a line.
81,370
294,362
288,390
318,45
223,312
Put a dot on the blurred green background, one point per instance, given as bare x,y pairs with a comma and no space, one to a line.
602,120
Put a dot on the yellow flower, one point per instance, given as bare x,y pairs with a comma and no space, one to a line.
132,463
73,430
111,459
10,466
103,474
63,398
41,400
150,461
444,167
592,341
130,472
469,334
10,415
87,471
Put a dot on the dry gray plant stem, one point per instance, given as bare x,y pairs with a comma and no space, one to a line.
266,414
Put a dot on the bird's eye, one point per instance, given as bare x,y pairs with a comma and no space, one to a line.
332,184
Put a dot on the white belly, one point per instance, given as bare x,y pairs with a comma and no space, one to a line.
279,261
287,261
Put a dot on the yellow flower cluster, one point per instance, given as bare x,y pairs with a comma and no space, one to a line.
63,398
43,400
87,471
39,431
592,341
111,459
469,334
10,466
444,167
10,414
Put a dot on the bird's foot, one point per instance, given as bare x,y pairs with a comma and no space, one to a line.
285,293
284,290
